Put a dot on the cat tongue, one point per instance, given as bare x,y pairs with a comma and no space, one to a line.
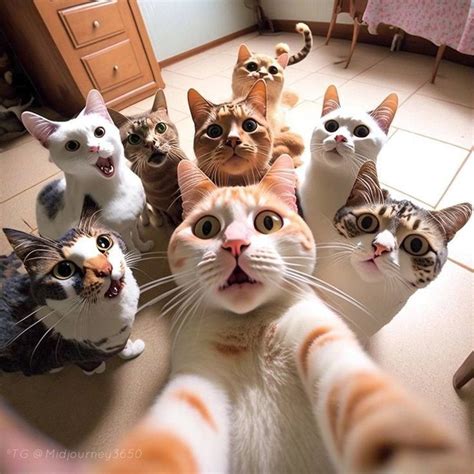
106,166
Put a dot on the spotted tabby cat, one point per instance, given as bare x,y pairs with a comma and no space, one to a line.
390,248
233,140
151,144
76,304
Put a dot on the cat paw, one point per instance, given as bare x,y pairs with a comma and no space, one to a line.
56,370
98,370
132,349
145,246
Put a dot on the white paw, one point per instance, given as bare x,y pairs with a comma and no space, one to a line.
132,349
145,246
98,370
56,370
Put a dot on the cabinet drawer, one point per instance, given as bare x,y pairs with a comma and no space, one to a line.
91,22
113,66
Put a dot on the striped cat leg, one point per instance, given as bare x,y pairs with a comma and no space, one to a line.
369,423
185,432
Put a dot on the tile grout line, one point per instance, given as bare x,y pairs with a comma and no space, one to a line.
432,138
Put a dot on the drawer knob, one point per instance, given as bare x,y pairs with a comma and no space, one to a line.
115,68
96,24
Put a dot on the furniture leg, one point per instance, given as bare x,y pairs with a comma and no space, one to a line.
335,11
355,35
464,373
439,56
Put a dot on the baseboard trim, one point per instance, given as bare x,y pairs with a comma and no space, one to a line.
206,46
412,44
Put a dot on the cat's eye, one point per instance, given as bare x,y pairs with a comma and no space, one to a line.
134,139
252,66
331,126
104,243
250,125
214,131
368,223
161,127
416,245
273,70
64,270
361,131
207,227
99,132
72,145
268,222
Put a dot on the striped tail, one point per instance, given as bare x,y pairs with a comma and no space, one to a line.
304,30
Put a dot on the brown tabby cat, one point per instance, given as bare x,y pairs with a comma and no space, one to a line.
151,143
233,140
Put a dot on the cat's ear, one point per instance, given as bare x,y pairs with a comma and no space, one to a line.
280,179
257,97
160,101
90,213
193,184
39,127
199,106
244,53
95,105
283,59
331,100
366,189
385,112
119,119
24,244
452,219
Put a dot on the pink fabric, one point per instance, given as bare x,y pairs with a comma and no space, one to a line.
449,22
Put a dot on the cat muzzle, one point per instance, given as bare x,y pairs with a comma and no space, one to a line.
157,157
238,277
106,166
115,288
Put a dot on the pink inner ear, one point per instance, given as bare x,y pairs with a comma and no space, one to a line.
281,180
95,105
38,126
283,60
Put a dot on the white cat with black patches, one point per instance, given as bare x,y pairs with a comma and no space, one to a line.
89,151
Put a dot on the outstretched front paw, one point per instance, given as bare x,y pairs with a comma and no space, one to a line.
132,349
98,370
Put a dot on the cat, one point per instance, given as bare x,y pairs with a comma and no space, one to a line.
342,140
89,152
233,141
265,377
76,304
389,249
151,144
253,66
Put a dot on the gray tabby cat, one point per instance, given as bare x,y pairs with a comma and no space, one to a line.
75,305
151,144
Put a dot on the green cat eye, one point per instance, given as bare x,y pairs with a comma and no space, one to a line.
214,131
268,222
207,227
250,125
273,70
161,127
252,66
416,245
361,131
134,139
64,270
104,243
72,145
367,223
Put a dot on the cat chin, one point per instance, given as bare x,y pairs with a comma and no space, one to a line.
235,165
368,271
241,298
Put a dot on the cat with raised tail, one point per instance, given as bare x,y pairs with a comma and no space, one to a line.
265,377
89,152
76,304
388,249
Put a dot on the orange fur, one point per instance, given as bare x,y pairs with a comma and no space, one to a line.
197,404
288,143
318,336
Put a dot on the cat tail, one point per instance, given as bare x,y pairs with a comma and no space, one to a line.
289,99
288,143
304,30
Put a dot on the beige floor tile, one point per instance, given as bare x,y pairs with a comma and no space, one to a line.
396,194
4,146
312,87
437,119
175,114
461,190
177,80
185,129
454,83
22,167
203,67
419,166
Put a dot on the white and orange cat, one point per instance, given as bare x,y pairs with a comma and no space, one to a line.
265,377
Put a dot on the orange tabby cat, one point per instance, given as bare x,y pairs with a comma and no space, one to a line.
233,140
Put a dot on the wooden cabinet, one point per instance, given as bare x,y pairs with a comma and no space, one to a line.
71,46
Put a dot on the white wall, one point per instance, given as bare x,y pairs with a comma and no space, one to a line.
304,10
175,26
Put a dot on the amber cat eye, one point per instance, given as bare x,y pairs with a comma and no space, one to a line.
207,227
268,222
367,223
104,243
64,270
416,245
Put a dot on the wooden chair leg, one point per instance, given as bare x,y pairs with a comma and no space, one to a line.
335,11
355,36
439,56
464,373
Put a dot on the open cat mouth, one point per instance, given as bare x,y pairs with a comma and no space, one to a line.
238,278
157,158
115,288
106,166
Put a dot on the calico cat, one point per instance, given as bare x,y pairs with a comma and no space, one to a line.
389,249
151,144
88,149
76,304
265,377
233,141
253,66
342,140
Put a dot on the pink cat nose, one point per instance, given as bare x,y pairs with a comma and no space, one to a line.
380,249
233,141
235,247
94,149
340,139
236,238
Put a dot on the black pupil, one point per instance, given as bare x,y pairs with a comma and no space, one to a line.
64,269
72,145
366,222
161,127
214,131
103,242
207,227
252,66
99,132
332,126
250,125
416,244
134,138
268,222
273,70
361,131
